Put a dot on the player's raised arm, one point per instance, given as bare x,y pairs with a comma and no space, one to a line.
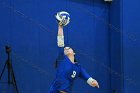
63,19
60,37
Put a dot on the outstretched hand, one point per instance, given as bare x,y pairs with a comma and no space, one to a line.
95,84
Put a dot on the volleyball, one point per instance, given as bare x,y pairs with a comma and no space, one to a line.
63,18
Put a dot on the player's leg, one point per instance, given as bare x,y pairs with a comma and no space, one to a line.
63,92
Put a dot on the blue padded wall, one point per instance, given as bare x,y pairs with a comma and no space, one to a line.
131,45
29,27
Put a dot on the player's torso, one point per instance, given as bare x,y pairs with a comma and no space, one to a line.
66,69
65,75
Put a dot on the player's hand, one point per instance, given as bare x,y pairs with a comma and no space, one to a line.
62,22
95,84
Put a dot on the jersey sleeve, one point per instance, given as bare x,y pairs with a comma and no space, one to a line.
61,54
83,74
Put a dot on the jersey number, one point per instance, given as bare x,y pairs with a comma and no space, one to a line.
74,74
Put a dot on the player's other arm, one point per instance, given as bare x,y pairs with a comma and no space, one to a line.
84,75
